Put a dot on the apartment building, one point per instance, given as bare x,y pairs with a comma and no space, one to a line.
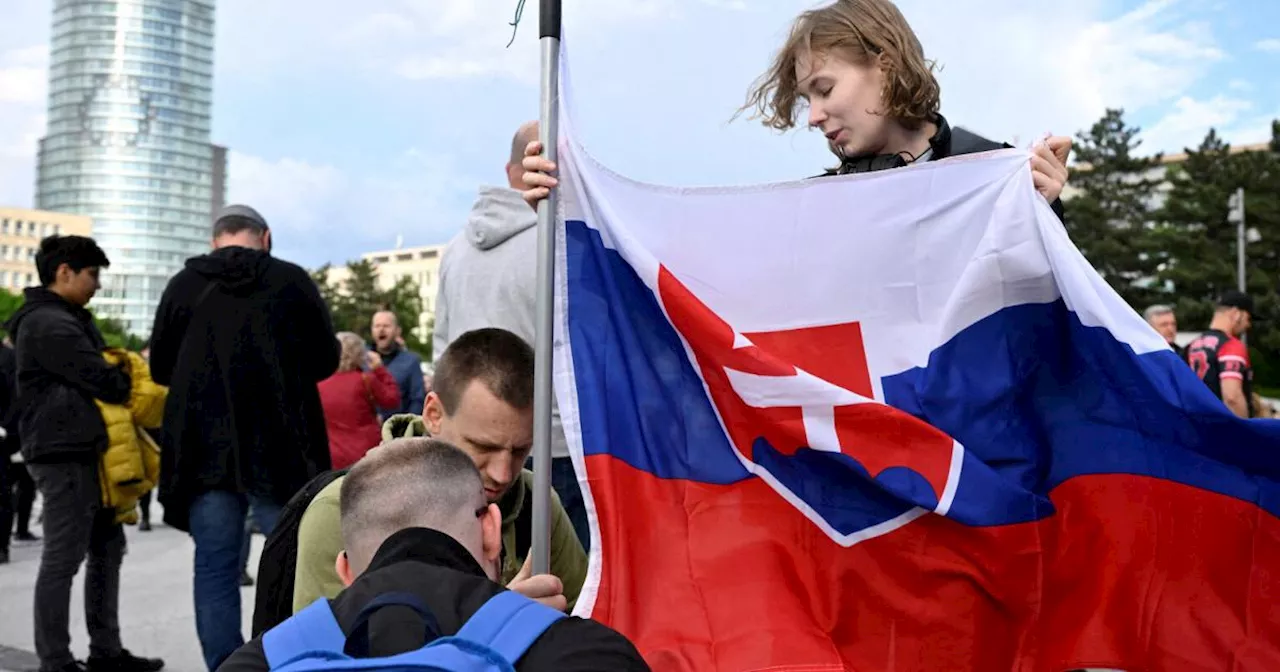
21,230
422,264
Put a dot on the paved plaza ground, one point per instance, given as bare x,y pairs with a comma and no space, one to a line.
156,615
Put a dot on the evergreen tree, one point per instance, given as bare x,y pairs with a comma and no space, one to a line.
361,295
1200,243
1110,218
328,292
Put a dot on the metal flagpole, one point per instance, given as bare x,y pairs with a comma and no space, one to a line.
549,37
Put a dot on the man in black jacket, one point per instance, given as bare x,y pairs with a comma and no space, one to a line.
415,520
241,339
61,371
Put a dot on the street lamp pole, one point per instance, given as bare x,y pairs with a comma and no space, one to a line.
1238,216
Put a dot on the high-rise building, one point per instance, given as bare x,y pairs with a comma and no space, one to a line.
130,95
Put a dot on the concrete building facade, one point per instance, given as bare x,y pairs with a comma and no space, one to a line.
421,264
21,230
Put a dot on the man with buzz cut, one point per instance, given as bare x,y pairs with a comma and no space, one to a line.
416,527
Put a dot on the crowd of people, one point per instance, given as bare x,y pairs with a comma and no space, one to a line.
1218,356
366,476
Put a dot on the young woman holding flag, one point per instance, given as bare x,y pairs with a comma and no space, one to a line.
861,71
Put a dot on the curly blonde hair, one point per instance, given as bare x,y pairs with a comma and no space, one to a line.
353,351
863,32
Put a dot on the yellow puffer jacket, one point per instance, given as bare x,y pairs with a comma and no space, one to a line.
131,466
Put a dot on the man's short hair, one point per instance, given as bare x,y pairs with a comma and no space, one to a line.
404,483
1155,311
77,252
499,359
1236,299
236,218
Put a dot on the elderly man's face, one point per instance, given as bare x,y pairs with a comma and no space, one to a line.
1167,325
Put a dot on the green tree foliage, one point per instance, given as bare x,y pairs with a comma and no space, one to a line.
360,296
1169,240
1201,244
1110,220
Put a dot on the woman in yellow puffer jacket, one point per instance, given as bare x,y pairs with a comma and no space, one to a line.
131,466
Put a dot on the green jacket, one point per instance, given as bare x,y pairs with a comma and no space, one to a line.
320,535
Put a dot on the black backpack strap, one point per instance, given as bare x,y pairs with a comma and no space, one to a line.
273,597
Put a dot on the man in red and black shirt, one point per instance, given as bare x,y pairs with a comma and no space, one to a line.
1220,358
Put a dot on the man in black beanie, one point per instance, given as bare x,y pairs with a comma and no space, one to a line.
241,339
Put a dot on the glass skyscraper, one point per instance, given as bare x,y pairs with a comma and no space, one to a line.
130,95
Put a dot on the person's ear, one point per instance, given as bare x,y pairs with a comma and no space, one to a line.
343,566
266,240
433,413
491,533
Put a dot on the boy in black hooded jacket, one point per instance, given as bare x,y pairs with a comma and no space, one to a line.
60,372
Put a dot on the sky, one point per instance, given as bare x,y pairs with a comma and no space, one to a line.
354,125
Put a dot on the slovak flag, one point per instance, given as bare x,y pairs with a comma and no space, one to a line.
894,422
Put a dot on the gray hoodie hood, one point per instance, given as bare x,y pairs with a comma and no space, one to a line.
498,214
489,278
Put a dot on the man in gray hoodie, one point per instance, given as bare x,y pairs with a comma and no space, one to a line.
488,278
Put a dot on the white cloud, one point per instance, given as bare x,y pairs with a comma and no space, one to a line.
1051,67
1251,130
1240,85
658,81
23,85
1190,120
1139,59
660,78
1270,45
455,39
24,74
322,213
